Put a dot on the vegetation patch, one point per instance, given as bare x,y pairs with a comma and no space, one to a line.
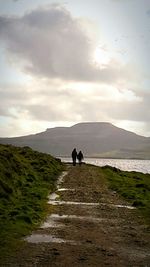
133,186
26,179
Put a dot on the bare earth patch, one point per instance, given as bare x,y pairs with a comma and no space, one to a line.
90,226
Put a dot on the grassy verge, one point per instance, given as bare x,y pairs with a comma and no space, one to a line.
133,186
26,178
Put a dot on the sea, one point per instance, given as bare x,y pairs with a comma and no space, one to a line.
122,164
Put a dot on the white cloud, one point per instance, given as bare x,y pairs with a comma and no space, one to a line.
53,101
41,104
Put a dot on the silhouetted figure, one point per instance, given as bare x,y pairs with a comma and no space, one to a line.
80,157
74,156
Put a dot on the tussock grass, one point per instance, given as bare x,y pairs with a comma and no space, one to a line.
133,186
26,178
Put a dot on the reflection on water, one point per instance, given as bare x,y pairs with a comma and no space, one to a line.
44,238
76,217
122,164
51,223
55,220
60,179
57,202
65,189
53,196
121,206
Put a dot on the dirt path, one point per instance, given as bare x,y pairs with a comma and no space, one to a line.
88,226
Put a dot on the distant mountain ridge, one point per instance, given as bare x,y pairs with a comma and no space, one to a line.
96,139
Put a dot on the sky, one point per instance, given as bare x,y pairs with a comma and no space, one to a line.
65,62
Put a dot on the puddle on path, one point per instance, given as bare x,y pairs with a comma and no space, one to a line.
65,189
51,223
53,196
59,202
52,220
118,206
60,179
85,218
123,206
43,238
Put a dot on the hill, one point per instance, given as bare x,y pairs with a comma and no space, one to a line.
96,139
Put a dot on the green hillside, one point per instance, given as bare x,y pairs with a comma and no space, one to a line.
26,178
133,186
95,139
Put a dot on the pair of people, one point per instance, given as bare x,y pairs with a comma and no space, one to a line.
76,156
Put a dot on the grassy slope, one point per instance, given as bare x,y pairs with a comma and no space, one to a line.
133,186
26,178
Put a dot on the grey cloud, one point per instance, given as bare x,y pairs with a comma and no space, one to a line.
11,93
87,107
132,111
50,112
59,104
51,43
148,13
4,112
43,104
12,100
127,0
99,109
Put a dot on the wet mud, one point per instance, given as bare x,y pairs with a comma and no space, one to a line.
89,226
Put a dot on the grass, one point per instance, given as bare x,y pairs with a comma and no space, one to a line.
26,179
133,186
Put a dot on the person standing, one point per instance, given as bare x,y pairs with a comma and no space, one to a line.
80,157
74,156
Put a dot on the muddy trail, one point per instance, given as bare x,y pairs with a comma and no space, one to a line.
89,225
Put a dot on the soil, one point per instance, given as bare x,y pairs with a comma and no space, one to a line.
89,225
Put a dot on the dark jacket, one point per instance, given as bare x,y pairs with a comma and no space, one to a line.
74,154
80,156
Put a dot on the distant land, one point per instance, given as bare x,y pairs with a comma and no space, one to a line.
95,139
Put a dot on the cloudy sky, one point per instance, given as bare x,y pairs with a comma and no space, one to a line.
67,62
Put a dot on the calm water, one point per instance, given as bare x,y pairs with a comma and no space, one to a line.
122,164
